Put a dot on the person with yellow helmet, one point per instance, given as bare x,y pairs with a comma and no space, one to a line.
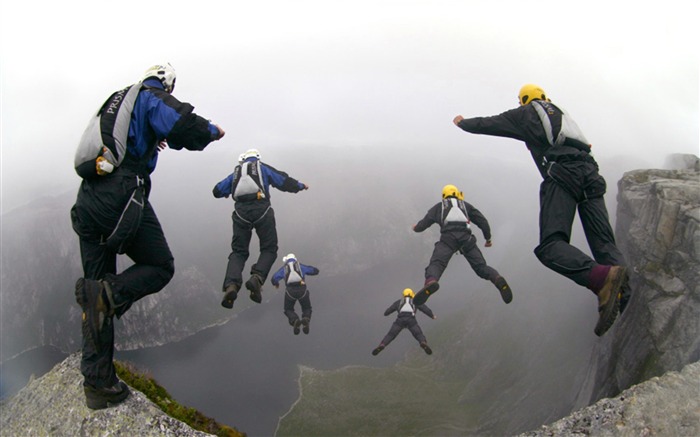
571,182
455,216
406,318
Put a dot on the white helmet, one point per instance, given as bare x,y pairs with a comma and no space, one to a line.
289,257
165,73
250,153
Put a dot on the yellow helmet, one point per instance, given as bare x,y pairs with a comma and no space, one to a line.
451,191
408,293
529,93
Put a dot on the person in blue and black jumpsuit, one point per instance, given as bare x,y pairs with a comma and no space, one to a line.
158,120
294,274
571,182
249,185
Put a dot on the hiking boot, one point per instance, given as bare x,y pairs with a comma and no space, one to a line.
297,325
503,288
230,296
378,349
430,288
91,295
426,348
305,321
609,299
254,284
99,398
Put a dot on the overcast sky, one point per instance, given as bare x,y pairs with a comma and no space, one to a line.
348,74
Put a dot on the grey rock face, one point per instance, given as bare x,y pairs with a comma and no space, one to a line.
54,405
663,406
658,229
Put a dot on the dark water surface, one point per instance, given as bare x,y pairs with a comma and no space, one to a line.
244,373
15,373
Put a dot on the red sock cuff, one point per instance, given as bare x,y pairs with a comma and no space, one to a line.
596,278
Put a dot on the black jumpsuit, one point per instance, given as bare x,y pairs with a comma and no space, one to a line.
405,319
457,238
99,205
571,182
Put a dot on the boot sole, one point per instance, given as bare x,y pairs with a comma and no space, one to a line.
612,307
424,293
229,298
506,295
506,292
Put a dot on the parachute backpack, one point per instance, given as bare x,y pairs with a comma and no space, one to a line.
292,270
106,134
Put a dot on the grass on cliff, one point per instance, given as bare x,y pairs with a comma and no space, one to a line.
158,395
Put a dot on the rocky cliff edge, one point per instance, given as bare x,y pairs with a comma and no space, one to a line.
54,405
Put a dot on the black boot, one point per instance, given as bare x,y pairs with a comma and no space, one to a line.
378,349
609,300
99,398
503,288
305,321
426,348
431,287
92,298
230,296
254,284
297,325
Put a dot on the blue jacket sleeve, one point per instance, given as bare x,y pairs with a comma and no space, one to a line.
277,277
223,188
280,180
177,122
309,270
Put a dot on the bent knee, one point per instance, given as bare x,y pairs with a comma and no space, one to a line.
167,270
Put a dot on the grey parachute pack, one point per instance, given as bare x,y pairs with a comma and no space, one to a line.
106,133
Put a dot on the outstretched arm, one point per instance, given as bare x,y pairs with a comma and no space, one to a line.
308,270
175,121
479,220
425,310
506,124
432,217
394,307
281,180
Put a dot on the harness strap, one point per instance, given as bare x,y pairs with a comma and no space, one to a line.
256,221
302,296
